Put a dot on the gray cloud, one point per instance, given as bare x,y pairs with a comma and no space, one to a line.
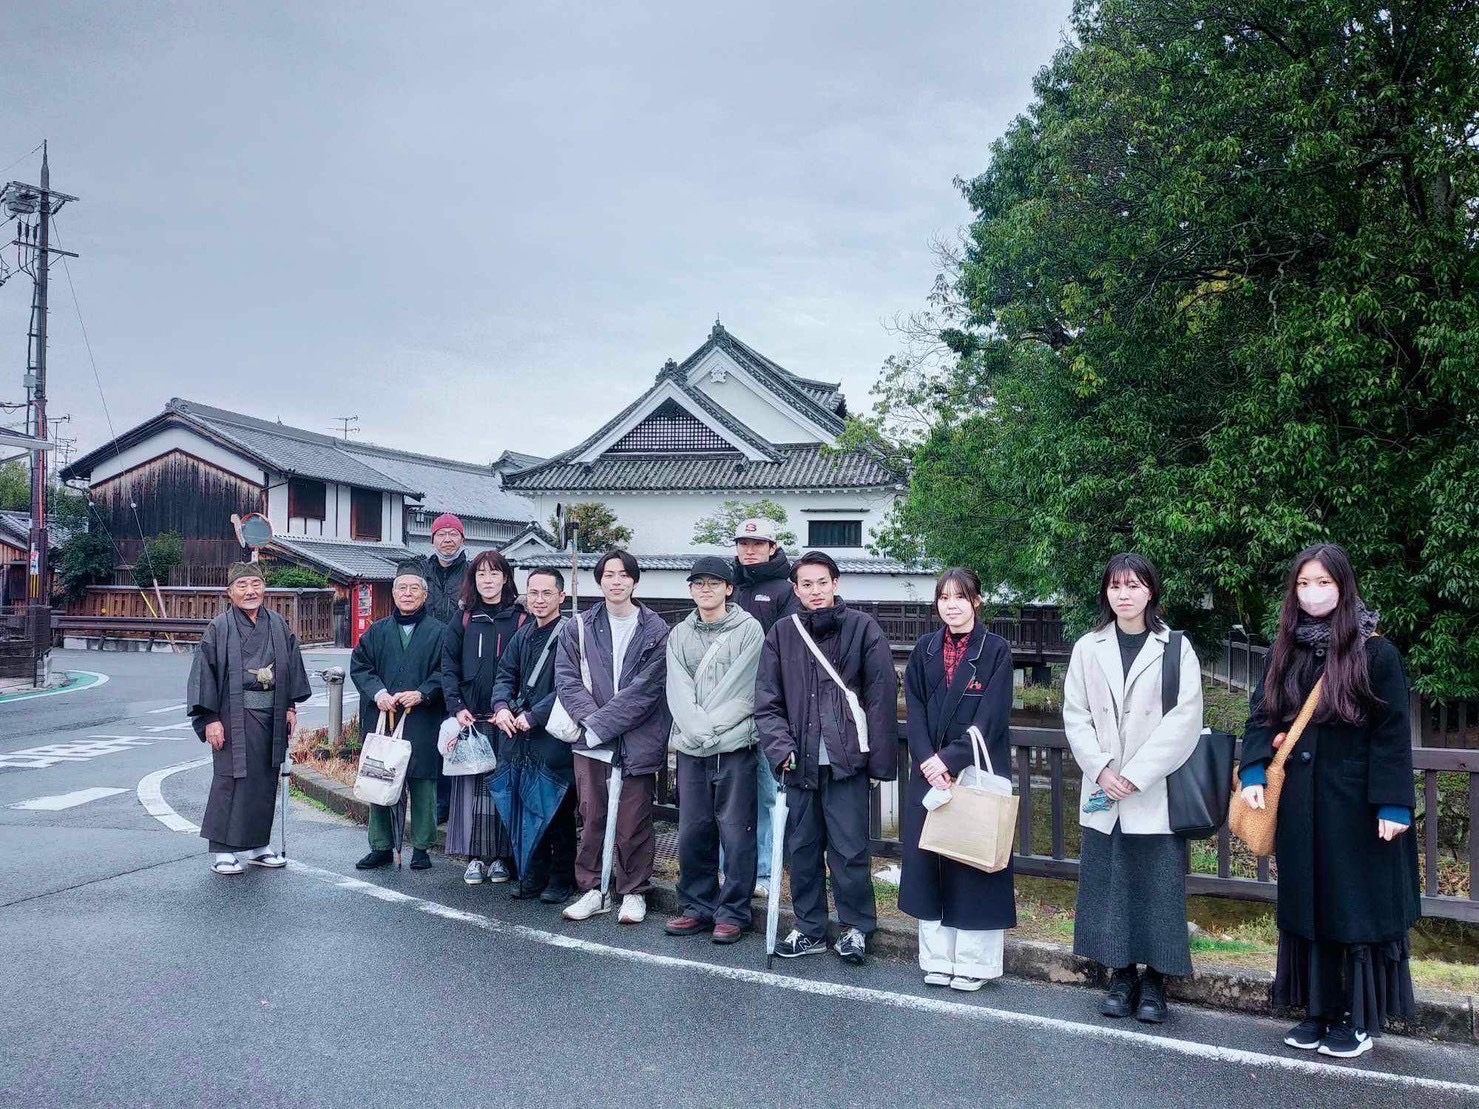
485,226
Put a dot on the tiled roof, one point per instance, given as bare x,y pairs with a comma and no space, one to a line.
15,529
446,485
345,561
799,393
805,466
861,564
291,450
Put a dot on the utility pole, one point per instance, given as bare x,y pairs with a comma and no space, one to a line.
33,241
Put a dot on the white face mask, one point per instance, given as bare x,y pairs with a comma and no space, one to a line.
1319,600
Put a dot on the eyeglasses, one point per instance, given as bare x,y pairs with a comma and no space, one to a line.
708,583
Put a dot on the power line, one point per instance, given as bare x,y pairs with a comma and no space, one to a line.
24,156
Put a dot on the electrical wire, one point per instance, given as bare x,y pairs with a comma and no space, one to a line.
24,156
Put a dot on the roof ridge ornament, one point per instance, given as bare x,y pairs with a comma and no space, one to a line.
717,331
670,372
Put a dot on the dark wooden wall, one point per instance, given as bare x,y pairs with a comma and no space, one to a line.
176,492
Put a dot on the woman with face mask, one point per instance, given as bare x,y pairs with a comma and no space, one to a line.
1132,871
1348,882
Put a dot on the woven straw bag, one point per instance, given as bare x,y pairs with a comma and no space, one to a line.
1257,827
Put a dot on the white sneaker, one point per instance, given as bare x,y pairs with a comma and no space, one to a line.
591,902
937,978
633,909
762,892
476,873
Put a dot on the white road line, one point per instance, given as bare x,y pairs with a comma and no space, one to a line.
160,810
151,797
59,801
167,708
166,727
1166,1044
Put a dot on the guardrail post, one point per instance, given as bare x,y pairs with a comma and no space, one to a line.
334,683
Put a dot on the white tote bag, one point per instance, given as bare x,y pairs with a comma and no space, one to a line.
465,750
383,761
854,706
560,724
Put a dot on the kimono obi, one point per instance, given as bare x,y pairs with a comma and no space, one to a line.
256,699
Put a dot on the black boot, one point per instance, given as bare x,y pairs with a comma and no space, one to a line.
557,893
420,860
1120,1001
375,859
1153,1007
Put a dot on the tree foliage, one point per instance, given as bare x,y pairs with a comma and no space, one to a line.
160,555
294,577
717,528
1219,301
599,529
86,558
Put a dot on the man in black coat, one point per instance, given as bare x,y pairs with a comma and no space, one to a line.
397,668
522,700
762,587
811,726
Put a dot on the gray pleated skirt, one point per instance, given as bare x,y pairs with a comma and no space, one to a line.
1132,902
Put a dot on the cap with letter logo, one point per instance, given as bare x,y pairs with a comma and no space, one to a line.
756,528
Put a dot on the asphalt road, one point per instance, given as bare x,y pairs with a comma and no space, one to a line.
135,977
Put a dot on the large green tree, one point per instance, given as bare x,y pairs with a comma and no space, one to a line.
1219,301
599,530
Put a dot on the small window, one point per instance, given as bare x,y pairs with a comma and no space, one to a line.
307,500
834,533
364,514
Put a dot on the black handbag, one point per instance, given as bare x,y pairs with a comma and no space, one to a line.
1198,792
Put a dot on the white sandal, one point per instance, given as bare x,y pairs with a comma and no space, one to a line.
226,866
270,858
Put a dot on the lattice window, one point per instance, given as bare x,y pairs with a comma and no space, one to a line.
671,429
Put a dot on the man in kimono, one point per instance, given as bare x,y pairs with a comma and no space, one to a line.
397,668
245,681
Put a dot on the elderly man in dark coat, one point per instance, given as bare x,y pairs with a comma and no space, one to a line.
245,680
397,668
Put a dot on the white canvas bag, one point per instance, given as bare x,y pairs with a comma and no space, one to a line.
383,762
560,724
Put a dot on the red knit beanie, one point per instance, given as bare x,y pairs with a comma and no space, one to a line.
447,520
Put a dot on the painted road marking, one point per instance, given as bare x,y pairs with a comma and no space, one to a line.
74,686
37,758
59,801
167,708
166,727
151,797
983,1013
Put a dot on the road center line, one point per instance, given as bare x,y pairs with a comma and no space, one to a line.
1166,1044
151,796
59,801
167,708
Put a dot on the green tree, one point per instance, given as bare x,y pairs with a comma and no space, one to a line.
294,577
599,529
161,555
15,488
717,528
84,559
1220,299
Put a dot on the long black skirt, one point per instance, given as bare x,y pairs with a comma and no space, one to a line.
1132,902
473,827
1368,984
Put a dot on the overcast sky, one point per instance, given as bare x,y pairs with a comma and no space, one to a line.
482,226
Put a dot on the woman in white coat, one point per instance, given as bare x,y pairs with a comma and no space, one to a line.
1132,881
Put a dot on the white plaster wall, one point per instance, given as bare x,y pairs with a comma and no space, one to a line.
171,439
738,397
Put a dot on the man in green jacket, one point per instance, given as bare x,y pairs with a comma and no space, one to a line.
712,659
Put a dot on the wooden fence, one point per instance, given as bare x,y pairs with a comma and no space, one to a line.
25,637
309,612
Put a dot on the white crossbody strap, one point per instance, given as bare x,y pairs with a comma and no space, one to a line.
860,720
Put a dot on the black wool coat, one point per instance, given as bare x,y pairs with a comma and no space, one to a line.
379,662
517,693
936,888
798,707
1339,882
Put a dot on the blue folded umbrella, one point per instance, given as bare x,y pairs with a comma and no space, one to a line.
527,797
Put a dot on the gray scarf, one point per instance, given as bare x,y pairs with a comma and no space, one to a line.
1314,631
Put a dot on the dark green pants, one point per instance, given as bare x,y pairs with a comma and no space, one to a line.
423,817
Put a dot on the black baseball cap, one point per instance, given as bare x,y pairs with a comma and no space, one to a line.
712,566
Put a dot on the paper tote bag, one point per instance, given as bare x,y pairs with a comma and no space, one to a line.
560,724
977,825
383,761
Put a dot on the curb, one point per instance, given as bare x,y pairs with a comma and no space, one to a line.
1449,1017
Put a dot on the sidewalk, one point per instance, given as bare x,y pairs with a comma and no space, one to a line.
1440,1016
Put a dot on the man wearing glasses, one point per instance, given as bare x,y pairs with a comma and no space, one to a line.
712,659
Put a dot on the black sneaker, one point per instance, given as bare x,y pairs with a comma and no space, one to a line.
795,945
420,860
852,948
523,892
1343,1041
557,893
374,860
1306,1035
1152,1008
1120,1001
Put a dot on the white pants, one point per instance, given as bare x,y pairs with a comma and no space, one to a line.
959,952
